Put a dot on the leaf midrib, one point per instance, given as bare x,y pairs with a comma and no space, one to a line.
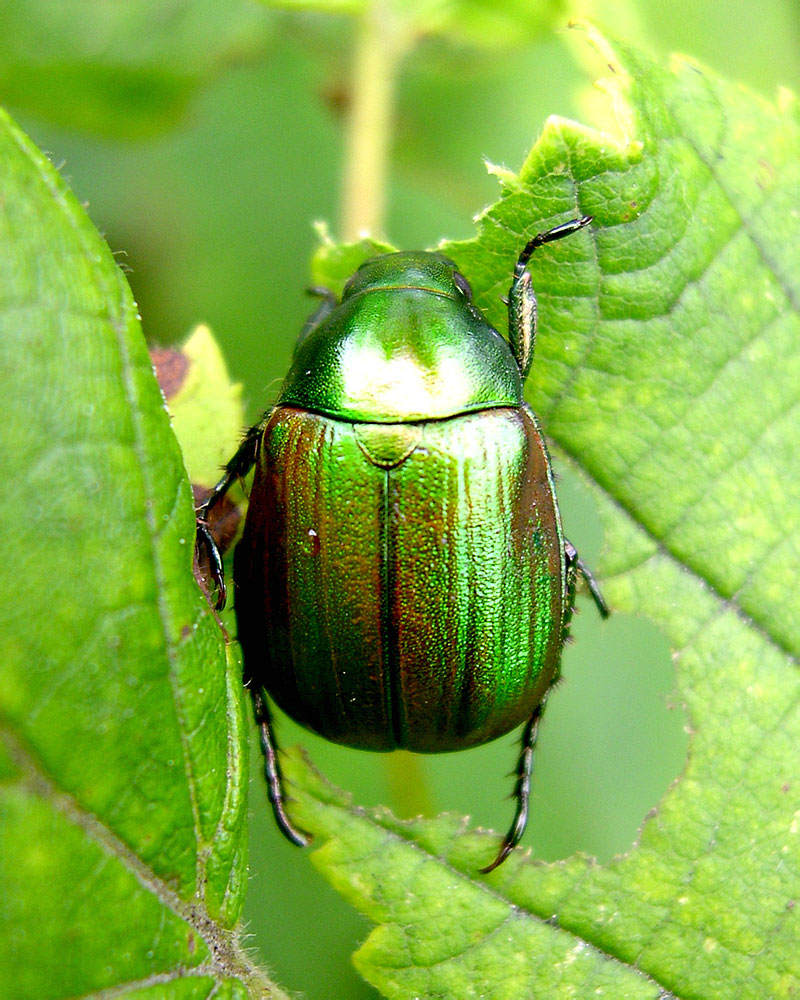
515,909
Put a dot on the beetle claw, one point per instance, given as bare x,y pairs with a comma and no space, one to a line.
505,849
272,770
292,833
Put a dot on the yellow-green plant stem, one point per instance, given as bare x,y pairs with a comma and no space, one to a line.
380,45
408,786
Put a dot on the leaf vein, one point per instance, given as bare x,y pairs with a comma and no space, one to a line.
769,261
516,911
635,517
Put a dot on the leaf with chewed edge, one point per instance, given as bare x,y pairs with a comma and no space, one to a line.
667,373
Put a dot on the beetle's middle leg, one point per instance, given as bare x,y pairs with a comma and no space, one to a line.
522,788
577,567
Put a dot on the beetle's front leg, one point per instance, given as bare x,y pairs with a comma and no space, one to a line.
272,771
522,788
238,467
522,298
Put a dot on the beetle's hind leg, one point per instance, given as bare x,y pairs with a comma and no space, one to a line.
522,788
272,770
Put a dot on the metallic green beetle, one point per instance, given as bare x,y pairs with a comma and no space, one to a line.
403,580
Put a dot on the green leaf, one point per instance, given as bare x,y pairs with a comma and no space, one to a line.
207,417
126,69
667,373
323,6
483,24
200,395
123,763
333,263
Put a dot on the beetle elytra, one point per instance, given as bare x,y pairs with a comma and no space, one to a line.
403,580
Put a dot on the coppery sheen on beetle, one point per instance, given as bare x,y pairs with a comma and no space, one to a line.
403,580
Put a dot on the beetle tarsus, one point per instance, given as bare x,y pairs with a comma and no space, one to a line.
550,236
272,771
522,789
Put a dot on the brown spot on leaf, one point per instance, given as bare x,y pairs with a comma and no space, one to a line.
171,367
336,97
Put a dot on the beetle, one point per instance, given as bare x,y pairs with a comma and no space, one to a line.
403,580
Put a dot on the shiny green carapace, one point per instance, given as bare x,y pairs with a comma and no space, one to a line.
403,580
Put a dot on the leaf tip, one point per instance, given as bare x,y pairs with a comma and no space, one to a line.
323,232
508,178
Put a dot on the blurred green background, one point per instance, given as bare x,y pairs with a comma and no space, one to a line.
205,139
